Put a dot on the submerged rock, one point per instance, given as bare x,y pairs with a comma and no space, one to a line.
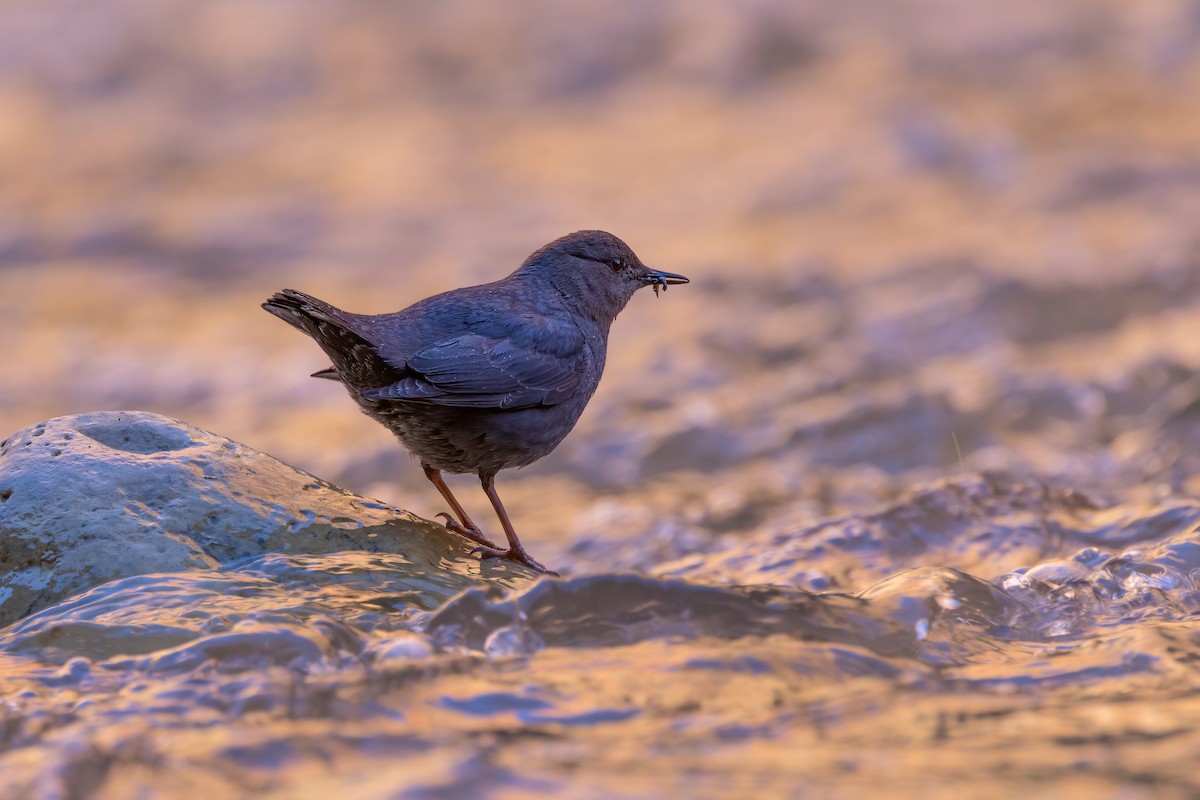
89,498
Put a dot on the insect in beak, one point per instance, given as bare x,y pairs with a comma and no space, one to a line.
660,280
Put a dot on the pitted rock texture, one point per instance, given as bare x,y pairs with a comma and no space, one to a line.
89,498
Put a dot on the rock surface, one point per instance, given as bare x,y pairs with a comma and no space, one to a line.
89,498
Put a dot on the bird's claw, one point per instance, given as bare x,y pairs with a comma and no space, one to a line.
474,534
487,549
516,555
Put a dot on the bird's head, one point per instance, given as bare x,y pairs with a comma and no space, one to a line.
595,272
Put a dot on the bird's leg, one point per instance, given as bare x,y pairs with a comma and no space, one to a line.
464,526
515,551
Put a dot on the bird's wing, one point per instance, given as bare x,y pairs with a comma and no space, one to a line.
474,370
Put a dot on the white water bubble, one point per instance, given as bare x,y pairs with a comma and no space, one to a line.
403,647
512,640
947,601
1059,628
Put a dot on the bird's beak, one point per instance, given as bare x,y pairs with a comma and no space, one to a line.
661,280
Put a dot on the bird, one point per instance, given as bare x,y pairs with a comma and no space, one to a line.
484,378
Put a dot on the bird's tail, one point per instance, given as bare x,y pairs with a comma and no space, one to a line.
303,311
356,361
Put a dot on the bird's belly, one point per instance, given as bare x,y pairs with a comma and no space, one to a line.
473,440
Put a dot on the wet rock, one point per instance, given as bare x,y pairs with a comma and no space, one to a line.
90,498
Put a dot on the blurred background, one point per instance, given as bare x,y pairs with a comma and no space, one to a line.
924,237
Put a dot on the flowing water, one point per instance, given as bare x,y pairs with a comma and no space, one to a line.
897,498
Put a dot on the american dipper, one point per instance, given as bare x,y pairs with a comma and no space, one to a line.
487,377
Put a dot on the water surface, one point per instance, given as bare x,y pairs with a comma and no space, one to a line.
897,497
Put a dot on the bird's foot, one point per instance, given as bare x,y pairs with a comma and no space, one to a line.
516,554
474,534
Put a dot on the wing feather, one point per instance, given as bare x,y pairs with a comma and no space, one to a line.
474,370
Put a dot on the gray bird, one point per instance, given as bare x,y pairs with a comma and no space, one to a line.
487,377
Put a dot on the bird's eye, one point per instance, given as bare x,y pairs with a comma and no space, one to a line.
617,264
